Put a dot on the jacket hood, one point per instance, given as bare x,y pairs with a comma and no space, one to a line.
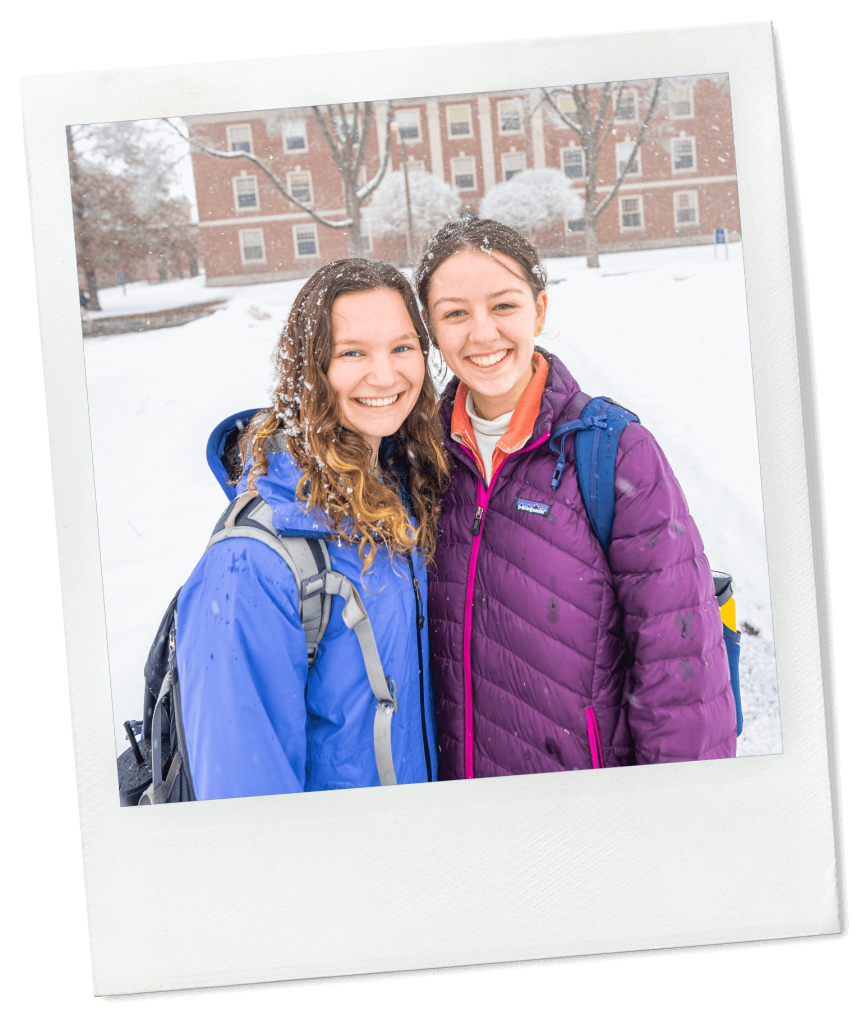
278,486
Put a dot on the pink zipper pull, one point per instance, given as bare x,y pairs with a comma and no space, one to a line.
476,524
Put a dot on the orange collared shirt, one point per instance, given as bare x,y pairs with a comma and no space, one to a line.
519,429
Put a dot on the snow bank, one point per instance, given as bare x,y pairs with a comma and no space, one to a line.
664,332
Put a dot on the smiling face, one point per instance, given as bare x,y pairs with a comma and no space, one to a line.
485,319
377,366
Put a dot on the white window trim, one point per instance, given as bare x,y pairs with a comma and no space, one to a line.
309,175
416,165
692,223
295,152
413,142
508,131
632,227
637,156
581,232
565,96
230,128
474,174
305,227
502,162
626,120
244,261
458,106
684,170
683,117
567,149
238,207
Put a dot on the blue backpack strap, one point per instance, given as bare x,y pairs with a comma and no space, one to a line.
596,440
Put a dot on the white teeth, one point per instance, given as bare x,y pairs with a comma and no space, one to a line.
378,403
491,360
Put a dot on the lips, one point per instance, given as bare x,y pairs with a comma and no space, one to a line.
379,403
486,360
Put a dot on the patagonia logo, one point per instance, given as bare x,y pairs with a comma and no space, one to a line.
537,508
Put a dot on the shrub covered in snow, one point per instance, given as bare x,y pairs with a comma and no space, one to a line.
433,203
532,199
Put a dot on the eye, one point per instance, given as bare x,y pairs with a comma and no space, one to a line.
504,305
407,347
453,314
349,353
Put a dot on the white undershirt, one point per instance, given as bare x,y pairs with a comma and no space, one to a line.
487,433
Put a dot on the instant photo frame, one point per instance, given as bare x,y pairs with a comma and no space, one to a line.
321,884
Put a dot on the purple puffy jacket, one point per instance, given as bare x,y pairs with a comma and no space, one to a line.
547,655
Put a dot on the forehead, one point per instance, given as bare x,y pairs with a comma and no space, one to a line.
472,269
377,312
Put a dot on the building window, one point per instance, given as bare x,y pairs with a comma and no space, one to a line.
630,212
409,124
623,152
626,106
301,186
246,193
415,165
306,240
683,103
574,227
572,162
565,102
463,172
295,137
252,246
459,122
512,163
685,208
240,138
683,154
509,117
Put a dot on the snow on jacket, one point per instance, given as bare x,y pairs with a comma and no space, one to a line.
256,722
531,625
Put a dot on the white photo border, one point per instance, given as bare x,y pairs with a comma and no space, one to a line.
361,881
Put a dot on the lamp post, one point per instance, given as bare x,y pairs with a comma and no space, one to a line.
395,127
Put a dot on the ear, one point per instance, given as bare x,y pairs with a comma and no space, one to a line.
540,310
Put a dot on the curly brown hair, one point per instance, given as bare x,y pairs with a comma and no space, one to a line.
337,478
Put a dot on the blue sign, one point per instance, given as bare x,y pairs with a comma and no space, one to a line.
721,236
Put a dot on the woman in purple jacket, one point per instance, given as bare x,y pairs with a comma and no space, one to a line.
547,653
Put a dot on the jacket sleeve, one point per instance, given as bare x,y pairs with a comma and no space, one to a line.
681,706
242,666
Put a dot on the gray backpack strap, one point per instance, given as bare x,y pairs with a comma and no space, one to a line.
311,566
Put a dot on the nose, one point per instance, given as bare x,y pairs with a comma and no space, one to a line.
482,328
382,373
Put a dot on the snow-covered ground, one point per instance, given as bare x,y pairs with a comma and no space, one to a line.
664,332
155,296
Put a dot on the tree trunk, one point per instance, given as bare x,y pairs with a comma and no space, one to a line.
591,227
90,275
353,210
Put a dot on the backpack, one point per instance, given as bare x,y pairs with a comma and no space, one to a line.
596,439
155,769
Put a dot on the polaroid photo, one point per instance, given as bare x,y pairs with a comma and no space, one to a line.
580,217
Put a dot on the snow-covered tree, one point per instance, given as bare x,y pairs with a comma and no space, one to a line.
532,199
433,203
574,106
346,129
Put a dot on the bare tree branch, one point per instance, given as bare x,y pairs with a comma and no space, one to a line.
242,155
571,124
375,181
609,197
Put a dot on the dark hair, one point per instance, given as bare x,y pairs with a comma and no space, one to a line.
479,236
337,478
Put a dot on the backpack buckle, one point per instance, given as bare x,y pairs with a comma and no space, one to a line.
313,586
393,703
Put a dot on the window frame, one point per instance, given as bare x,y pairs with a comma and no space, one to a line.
238,207
416,165
577,231
409,110
465,188
632,227
247,262
509,131
308,226
691,223
573,149
626,120
309,176
459,106
233,127
690,92
567,96
504,157
284,133
684,170
637,156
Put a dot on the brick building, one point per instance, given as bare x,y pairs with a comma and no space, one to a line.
680,188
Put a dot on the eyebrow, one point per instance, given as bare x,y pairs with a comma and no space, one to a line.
350,341
494,295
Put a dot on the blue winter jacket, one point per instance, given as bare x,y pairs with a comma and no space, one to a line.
255,720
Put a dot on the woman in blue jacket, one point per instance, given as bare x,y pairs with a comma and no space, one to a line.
348,452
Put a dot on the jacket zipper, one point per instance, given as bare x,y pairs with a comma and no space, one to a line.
484,494
594,739
419,625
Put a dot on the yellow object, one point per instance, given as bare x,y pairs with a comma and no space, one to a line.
729,614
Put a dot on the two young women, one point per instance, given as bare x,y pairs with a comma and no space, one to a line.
548,654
